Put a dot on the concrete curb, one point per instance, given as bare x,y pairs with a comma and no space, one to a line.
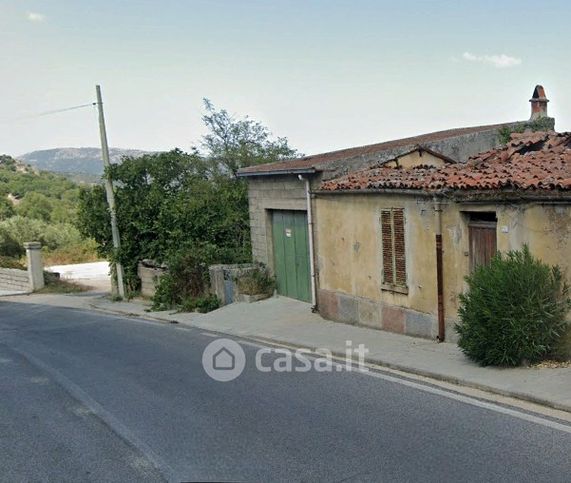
370,360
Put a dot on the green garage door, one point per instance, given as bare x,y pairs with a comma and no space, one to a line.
291,254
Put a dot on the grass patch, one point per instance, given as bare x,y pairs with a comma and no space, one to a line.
63,286
83,252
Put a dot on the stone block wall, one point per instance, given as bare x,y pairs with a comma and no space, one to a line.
15,280
362,311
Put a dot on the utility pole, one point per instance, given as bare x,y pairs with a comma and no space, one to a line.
109,192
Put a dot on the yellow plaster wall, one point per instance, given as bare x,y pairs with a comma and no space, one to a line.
416,158
349,254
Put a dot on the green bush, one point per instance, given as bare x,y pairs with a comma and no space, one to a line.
256,282
35,205
187,278
6,208
18,230
10,262
514,310
562,349
62,242
204,304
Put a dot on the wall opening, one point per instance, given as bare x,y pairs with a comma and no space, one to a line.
482,236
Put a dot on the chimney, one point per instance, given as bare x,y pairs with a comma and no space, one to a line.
538,103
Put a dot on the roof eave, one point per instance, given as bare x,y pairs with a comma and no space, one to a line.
477,196
462,196
247,174
389,191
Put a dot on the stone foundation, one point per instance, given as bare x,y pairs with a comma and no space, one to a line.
356,310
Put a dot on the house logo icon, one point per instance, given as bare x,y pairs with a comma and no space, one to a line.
223,360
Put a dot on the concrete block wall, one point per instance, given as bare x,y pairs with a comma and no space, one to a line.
223,280
266,193
15,280
150,277
349,309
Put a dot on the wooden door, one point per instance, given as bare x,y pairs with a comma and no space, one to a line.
291,254
483,245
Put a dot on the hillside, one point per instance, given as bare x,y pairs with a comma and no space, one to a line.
85,162
31,193
40,206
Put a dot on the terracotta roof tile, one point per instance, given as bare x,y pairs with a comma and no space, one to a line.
530,161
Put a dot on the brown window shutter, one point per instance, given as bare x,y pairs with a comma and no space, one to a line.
387,246
400,256
393,247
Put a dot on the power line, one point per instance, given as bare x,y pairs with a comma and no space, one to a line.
49,113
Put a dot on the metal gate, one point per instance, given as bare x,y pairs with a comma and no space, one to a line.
483,244
291,254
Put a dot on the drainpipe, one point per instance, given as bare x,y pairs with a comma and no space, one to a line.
439,271
310,233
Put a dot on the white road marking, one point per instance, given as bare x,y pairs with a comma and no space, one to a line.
525,416
39,380
207,334
466,400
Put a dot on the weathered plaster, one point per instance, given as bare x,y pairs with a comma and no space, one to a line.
351,220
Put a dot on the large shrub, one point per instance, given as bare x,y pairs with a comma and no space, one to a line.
186,281
514,310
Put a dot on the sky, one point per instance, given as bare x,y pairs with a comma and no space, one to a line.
326,74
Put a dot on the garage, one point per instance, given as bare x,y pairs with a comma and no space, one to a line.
291,254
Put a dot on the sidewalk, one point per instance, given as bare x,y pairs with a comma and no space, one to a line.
290,322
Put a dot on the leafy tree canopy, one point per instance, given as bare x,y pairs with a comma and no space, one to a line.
232,143
175,202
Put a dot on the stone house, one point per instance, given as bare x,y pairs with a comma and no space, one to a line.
397,242
317,241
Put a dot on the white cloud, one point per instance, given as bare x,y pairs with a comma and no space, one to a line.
35,17
501,61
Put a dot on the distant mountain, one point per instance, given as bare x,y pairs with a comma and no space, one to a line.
75,161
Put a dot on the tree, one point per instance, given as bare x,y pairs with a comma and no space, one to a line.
233,143
6,208
35,205
165,205
173,203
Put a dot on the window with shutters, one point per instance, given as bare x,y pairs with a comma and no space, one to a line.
393,250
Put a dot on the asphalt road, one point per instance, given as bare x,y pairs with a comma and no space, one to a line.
86,396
